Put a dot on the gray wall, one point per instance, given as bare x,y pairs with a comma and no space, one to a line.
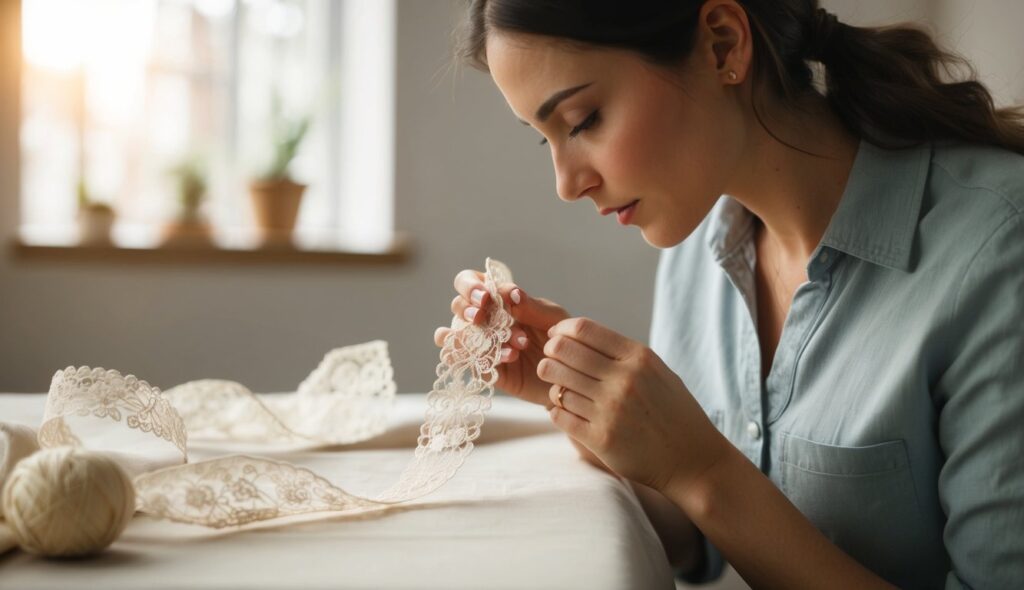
987,32
471,182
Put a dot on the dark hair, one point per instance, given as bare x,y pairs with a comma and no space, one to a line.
893,86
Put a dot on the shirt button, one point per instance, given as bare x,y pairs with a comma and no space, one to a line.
753,430
823,258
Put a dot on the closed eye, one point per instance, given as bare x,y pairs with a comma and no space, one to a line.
587,123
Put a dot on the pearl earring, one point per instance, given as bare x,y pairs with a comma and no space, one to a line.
732,75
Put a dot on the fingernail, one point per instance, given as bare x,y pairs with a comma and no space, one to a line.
476,296
505,353
521,341
516,296
470,313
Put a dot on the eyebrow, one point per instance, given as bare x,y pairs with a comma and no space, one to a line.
549,105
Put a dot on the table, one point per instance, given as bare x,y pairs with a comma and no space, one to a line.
523,512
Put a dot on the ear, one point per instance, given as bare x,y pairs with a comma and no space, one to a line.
723,35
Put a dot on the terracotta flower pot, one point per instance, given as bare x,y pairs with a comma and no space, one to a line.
94,225
187,233
276,205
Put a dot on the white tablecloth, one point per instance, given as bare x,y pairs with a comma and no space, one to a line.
523,512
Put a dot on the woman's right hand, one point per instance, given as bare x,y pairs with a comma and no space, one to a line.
517,370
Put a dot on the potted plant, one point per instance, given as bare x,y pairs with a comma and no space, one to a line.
189,229
95,219
276,196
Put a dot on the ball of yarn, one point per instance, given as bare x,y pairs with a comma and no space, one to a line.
67,501
16,443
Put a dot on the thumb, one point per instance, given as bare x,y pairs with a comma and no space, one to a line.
531,311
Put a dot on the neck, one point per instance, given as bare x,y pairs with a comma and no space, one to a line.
794,194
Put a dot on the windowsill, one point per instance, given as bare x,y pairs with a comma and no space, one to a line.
397,253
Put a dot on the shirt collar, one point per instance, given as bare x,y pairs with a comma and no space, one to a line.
877,216
729,225
876,219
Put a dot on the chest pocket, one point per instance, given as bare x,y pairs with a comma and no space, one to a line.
862,499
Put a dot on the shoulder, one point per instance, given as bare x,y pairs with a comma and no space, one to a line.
991,175
993,273
972,211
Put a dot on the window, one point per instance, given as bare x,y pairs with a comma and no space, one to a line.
117,93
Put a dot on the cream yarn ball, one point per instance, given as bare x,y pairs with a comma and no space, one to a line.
16,442
67,501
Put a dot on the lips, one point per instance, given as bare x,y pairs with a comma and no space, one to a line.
609,210
625,214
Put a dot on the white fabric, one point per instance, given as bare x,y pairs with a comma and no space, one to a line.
523,512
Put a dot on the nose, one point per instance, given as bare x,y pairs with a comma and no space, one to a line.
574,177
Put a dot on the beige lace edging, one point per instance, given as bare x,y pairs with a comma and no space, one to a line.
347,398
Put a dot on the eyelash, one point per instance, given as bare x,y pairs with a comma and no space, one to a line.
586,124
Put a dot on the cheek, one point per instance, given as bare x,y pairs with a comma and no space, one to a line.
635,149
665,143
668,157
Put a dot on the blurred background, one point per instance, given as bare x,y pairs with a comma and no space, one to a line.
152,124
153,127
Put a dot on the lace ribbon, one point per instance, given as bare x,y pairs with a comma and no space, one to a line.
346,399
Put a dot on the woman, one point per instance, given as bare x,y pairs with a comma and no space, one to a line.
834,389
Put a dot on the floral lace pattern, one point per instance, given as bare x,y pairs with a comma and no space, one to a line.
237,490
352,386
102,393
460,397
346,399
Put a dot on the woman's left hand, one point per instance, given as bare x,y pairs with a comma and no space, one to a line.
625,405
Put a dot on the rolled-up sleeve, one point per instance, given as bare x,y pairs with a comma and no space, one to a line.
980,399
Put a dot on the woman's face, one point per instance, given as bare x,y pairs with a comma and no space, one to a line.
626,131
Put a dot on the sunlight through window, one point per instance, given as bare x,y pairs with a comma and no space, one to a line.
169,110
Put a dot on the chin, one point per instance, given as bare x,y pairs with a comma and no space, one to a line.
660,238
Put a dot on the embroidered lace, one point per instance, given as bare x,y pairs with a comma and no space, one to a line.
347,398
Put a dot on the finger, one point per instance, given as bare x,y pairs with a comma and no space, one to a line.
508,355
578,356
534,311
509,293
440,334
505,291
571,401
458,305
570,424
470,285
557,373
519,340
604,340
462,308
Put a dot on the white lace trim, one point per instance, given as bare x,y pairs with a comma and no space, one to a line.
103,393
346,399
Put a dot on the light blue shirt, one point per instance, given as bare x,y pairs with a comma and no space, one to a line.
893,414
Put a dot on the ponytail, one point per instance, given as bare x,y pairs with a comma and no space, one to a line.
894,85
